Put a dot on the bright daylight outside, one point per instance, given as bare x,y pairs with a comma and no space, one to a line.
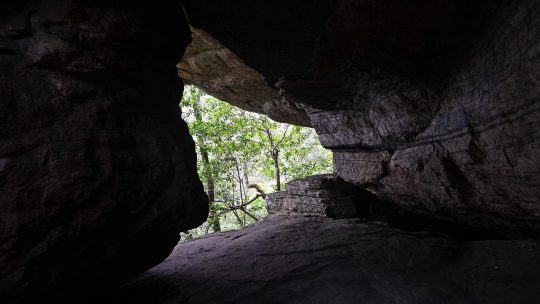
241,156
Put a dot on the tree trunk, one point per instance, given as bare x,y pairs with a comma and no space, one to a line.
274,151
207,172
208,176
276,167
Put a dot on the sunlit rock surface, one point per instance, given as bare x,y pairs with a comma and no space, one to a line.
431,105
301,259
214,68
97,169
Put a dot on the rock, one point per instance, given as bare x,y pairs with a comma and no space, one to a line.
432,106
322,195
97,169
301,259
211,66
328,195
361,167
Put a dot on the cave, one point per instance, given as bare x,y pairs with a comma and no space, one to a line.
430,108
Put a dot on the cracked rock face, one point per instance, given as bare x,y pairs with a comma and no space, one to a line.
97,169
431,105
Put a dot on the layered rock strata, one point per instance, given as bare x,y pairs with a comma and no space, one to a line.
320,195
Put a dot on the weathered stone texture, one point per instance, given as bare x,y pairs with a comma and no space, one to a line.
322,195
219,72
476,160
97,169
301,259
361,167
383,112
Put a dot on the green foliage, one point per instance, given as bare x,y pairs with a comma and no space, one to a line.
236,148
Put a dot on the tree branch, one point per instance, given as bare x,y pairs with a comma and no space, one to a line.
283,137
250,215
233,207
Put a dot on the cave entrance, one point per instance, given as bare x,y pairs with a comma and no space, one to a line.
242,156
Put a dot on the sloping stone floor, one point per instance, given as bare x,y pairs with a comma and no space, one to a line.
315,259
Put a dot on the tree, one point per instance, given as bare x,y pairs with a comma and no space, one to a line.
273,145
241,154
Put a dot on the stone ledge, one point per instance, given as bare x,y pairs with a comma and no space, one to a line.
319,195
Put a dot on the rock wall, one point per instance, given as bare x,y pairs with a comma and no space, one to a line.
474,160
430,105
97,169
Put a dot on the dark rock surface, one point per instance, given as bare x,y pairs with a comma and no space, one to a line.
97,169
432,105
302,259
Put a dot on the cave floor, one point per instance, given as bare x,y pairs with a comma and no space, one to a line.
298,259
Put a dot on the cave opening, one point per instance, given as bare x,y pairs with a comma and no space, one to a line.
243,156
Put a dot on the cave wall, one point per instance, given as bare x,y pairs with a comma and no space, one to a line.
97,169
431,105
476,161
